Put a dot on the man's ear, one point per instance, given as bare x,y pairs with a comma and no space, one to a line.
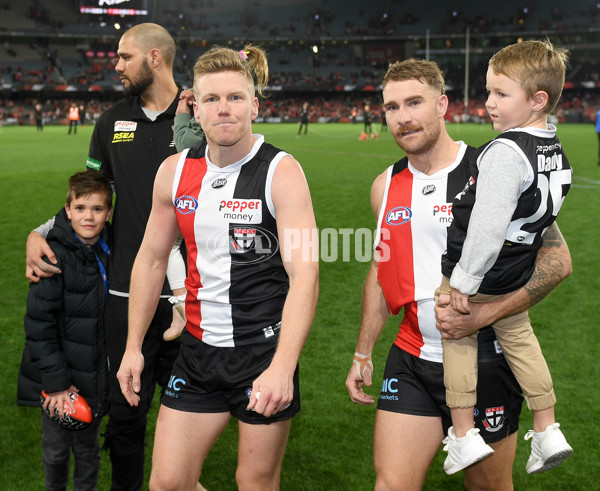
155,57
68,210
443,105
195,109
254,110
540,101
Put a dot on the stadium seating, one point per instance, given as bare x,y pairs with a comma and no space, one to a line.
46,45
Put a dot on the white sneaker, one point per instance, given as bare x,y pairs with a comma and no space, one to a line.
465,451
549,449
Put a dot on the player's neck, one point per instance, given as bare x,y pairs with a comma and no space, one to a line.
440,156
222,156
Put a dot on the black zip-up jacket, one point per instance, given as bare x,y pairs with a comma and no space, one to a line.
64,329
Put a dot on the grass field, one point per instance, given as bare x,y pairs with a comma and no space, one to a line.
330,442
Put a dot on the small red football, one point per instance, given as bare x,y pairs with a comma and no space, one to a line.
79,420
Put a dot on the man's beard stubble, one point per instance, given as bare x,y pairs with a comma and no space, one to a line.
431,134
144,80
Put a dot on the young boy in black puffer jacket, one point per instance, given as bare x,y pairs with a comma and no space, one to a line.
64,348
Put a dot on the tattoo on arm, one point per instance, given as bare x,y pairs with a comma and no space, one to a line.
548,269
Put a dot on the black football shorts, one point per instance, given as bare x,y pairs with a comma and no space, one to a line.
412,385
209,379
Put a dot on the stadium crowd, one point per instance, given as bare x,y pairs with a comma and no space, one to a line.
325,20
573,107
296,26
337,81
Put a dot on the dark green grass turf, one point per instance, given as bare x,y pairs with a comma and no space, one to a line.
330,442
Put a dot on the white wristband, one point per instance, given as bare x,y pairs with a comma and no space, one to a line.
177,299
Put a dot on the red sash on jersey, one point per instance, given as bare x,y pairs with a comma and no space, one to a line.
190,184
396,273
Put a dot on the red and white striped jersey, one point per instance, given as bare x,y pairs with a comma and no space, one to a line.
236,283
411,237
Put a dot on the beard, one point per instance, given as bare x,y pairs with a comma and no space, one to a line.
430,135
144,79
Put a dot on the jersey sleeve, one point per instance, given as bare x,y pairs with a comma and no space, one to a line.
502,173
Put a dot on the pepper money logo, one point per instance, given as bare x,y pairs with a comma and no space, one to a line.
125,126
124,131
241,210
443,212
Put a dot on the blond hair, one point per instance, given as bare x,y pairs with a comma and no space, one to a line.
536,65
250,62
427,72
148,36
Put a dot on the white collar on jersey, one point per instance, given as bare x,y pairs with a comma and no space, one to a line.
260,139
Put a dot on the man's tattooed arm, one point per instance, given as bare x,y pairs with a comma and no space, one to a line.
553,265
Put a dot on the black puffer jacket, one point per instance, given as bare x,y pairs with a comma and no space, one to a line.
64,330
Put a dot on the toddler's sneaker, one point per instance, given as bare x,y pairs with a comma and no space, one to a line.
465,451
549,449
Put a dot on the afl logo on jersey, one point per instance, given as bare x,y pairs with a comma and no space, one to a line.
186,205
398,215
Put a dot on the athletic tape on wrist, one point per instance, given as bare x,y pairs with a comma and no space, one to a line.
177,299
363,363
